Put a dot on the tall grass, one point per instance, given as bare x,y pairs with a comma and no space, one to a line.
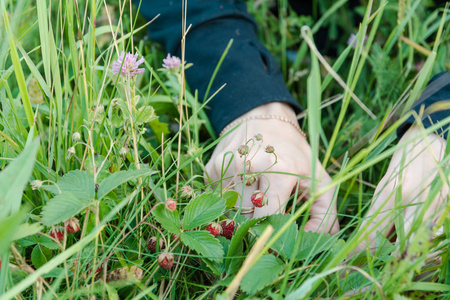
140,141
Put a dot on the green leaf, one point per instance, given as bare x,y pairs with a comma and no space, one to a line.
61,208
236,240
27,229
203,243
8,228
286,243
263,272
40,255
78,183
145,114
113,181
314,243
230,198
14,178
168,220
159,128
202,210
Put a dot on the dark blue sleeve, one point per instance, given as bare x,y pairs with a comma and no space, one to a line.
437,90
251,74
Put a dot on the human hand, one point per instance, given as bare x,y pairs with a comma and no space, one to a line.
292,155
420,160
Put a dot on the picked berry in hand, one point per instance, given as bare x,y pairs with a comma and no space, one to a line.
259,199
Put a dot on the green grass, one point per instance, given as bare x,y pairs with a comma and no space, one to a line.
67,48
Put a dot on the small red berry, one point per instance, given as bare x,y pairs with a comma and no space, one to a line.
214,228
171,204
73,225
57,233
165,260
259,199
228,228
151,246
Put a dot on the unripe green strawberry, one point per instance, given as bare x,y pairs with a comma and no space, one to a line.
243,150
259,199
186,192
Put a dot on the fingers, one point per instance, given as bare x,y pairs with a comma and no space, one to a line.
278,189
323,213
380,216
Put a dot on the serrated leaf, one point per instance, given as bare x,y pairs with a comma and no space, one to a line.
286,243
236,240
202,210
113,181
14,178
27,229
61,208
40,255
203,243
78,183
230,198
47,242
168,220
263,272
313,243
8,228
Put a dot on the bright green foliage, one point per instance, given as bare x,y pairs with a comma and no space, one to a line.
202,210
203,243
263,272
114,180
169,220
61,208
78,183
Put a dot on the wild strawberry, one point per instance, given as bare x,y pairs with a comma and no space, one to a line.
243,150
186,192
171,204
165,260
151,246
259,199
269,149
73,225
228,228
258,137
214,228
76,136
57,233
249,179
36,184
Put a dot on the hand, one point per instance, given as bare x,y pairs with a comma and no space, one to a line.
292,155
420,160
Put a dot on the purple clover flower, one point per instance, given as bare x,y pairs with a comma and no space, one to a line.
353,39
130,65
171,63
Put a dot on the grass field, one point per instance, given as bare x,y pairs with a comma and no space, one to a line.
88,158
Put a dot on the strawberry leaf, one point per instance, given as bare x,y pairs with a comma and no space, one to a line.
202,210
230,198
113,181
169,220
263,272
78,183
62,207
203,243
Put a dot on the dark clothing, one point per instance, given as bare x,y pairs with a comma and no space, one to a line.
249,71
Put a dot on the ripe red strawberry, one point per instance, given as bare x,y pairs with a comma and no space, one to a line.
259,199
214,228
73,225
151,246
171,204
228,228
57,233
165,260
